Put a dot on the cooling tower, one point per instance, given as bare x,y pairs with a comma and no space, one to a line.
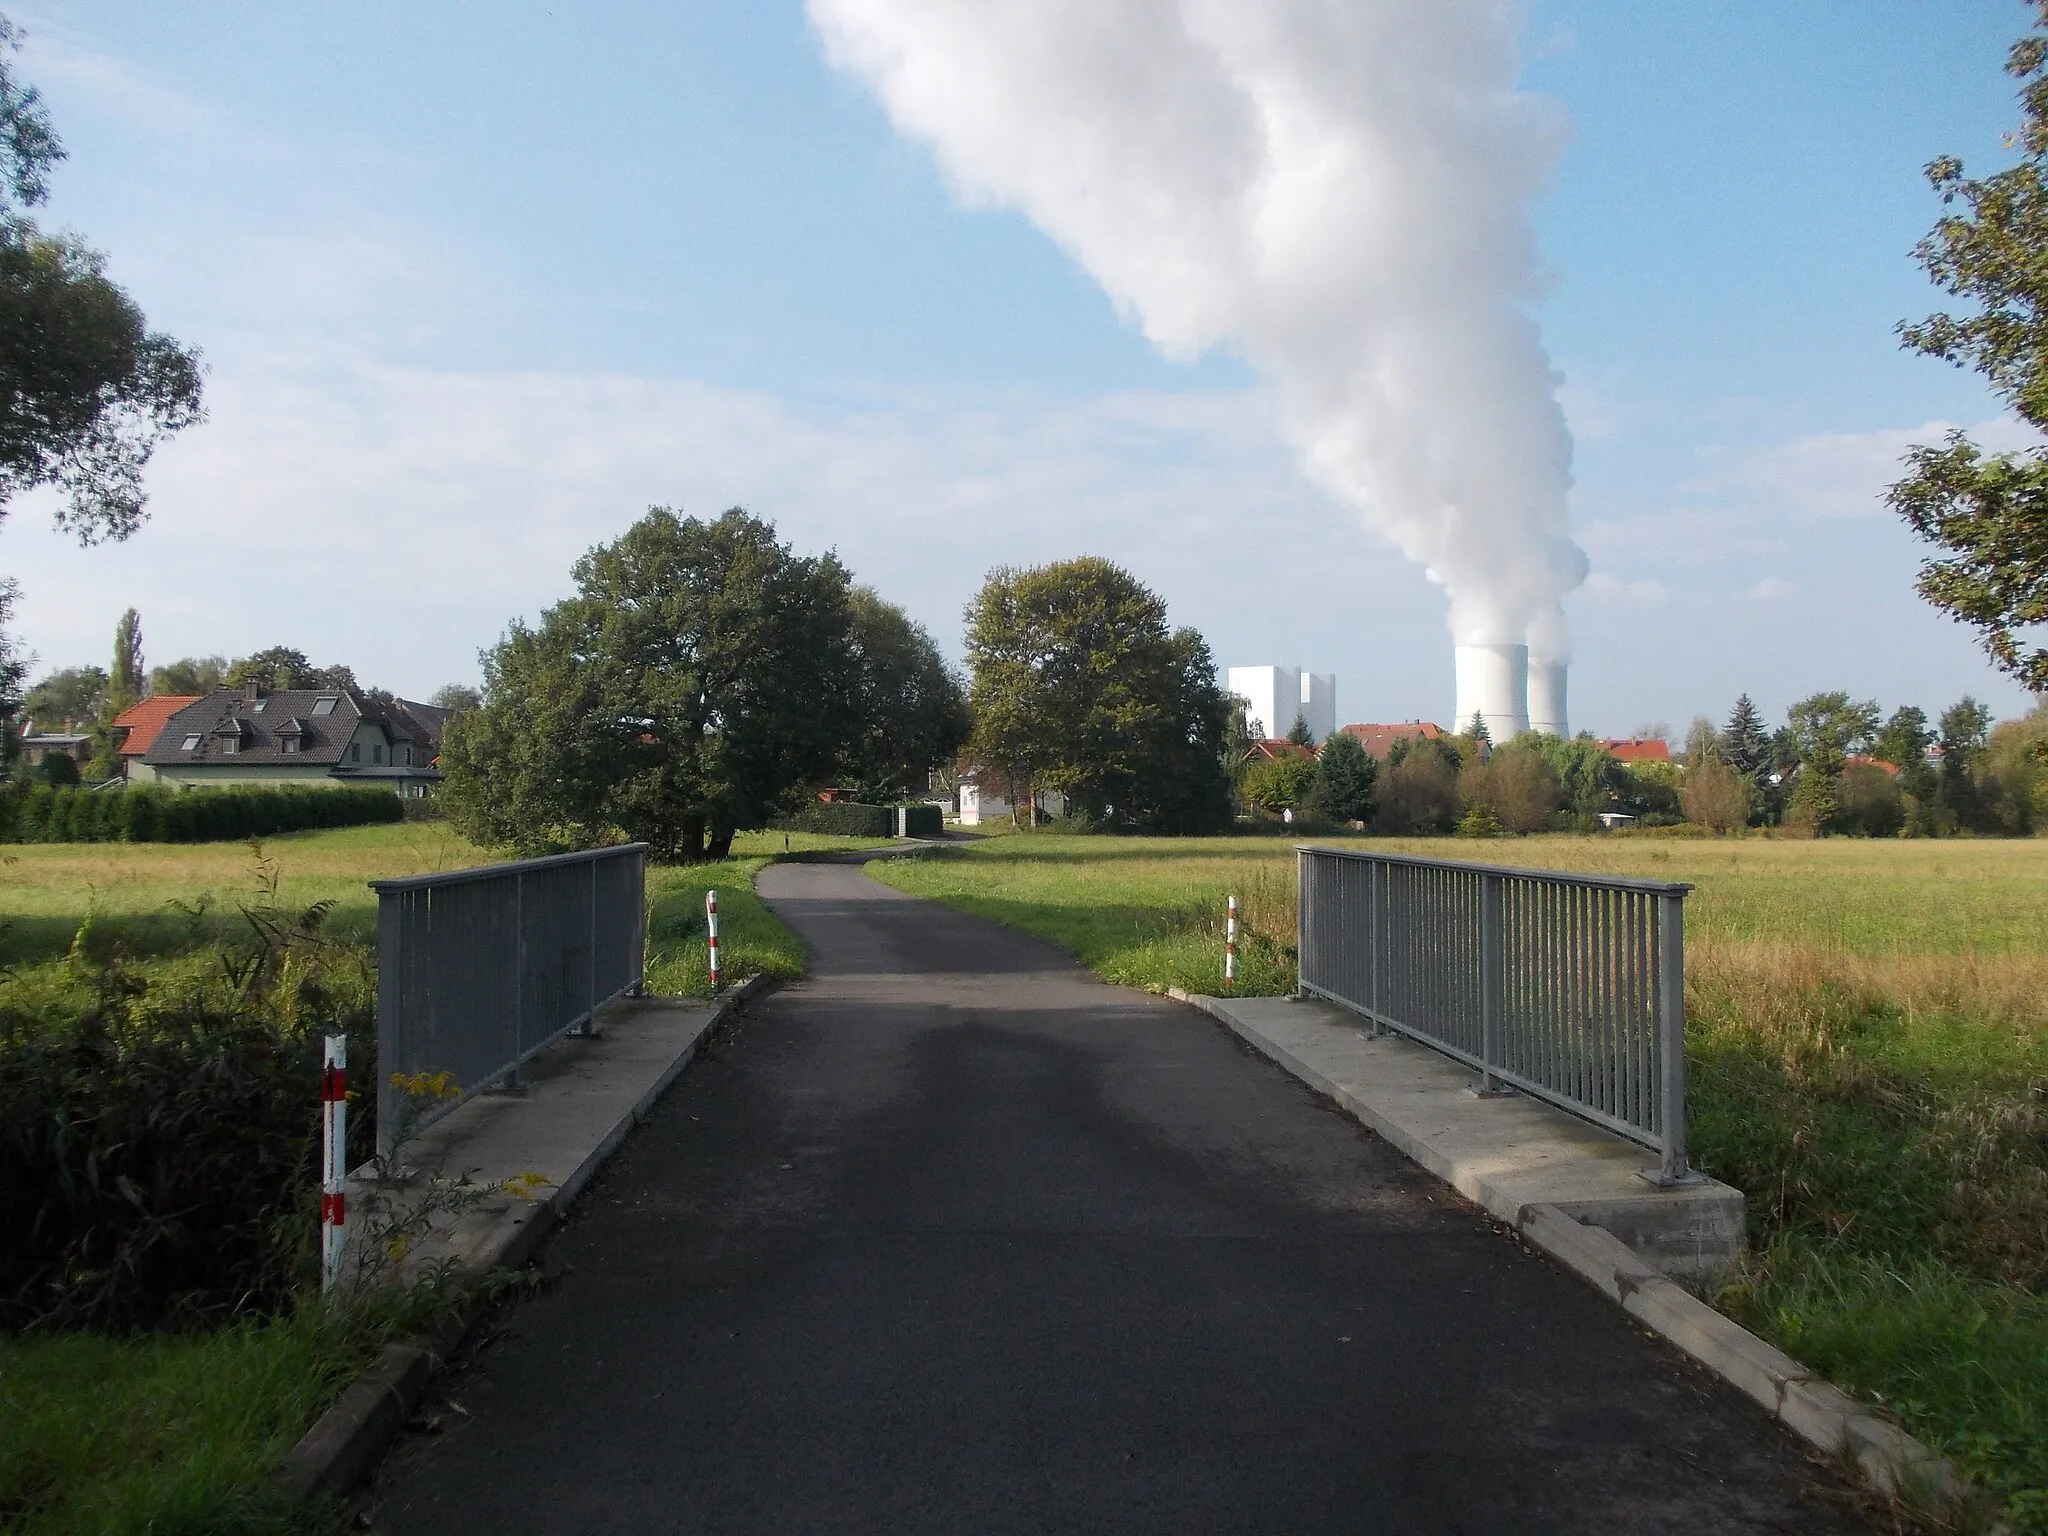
1546,698
1493,681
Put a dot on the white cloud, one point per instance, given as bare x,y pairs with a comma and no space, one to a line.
1773,589
396,518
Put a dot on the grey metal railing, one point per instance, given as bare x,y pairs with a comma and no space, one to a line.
480,969
1567,987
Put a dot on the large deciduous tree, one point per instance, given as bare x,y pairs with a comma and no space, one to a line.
189,675
1990,512
87,390
285,666
1079,686
908,713
701,673
74,696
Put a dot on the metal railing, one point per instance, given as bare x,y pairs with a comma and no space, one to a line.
1567,987
480,969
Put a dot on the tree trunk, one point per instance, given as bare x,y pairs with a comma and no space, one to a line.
690,841
720,845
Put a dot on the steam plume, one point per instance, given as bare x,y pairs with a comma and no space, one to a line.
1336,188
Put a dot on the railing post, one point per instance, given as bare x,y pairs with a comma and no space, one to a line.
1490,963
1303,886
390,1011
1671,1037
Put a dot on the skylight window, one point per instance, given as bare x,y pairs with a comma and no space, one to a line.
192,742
324,706
258,707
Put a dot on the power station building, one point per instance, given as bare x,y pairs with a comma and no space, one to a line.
1279,696
1500,685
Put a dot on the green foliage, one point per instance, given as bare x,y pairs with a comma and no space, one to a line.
1418,792
1300,734
156,1144
74,696
923,820
1814,807
1990,514
125,678
1827,727
191,675
150,813
1479,821
1870,802
1079,687
456,698
840,818
908,713
283,667
1347,781
57,769
1281,783
1475,730
1513,788
90,390
1717,795
1745,744
701,673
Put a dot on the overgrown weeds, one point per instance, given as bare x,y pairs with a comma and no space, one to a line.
157,1126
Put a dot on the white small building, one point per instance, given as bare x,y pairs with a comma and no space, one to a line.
978,805
1281,695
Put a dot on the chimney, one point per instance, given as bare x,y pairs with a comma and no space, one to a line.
1546,698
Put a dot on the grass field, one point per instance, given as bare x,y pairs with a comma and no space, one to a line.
1868,1037
175,1434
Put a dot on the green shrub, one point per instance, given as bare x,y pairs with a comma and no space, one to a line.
154,813
842,818
158,1144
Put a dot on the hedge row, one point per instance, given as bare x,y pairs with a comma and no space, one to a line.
148,813
923,821
842,818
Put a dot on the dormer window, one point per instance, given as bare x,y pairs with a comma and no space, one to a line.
289,744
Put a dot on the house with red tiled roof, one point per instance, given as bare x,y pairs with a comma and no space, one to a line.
136,728
1378,740
1638,749
1272,747
1863,760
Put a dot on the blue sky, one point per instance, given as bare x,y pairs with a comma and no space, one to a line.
479,283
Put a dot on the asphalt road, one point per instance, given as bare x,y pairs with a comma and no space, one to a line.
952,1237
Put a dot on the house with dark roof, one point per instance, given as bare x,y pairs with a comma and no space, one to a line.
251,735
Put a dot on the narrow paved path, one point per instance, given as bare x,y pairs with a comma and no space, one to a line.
951,1237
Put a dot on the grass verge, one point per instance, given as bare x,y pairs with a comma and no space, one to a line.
1868,1038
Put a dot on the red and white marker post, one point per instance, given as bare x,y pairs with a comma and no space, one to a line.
711,928
333,1158
1230,947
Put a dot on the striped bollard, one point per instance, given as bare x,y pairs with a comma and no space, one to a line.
711,927
1230,947
333,1158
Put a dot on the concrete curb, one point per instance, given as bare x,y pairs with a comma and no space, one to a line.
342,1447
1888,1458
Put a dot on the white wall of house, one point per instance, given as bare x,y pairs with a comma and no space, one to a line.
978,805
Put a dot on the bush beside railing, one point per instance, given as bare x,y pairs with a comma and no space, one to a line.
151,813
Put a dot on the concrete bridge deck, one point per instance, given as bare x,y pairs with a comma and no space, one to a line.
952,1237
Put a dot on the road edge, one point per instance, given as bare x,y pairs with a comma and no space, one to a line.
343,1445
1882,1453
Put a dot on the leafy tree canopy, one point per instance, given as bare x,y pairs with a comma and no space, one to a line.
908,713
1905,738
701,674
283,667
189,675
1828,726
89,391
125,678
1990,512
1079,686
456,698
73,696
